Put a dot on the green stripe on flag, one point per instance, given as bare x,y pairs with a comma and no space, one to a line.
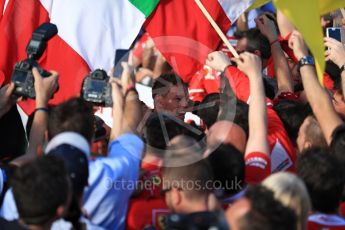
145,6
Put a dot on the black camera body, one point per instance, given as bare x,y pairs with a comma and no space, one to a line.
97,89
24,79
22,75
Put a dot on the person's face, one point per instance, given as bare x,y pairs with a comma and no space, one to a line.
296,76
175,101
339,103
301,141
236,211
241,45
172,197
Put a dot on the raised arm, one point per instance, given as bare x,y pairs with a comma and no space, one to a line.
250,64
126,105
336,54
44,88
281,67
318,98
285,26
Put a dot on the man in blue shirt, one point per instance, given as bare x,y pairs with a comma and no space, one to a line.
111,179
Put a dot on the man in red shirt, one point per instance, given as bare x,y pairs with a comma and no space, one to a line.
282,151
147,208
231,168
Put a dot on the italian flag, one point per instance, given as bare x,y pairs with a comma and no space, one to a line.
90,31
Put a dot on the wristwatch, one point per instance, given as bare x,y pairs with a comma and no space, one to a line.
306,60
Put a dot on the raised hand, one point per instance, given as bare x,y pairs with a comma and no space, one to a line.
45,87
297,44
336,51
218,61
249,63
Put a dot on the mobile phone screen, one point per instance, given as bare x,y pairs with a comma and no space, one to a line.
334,33
121,55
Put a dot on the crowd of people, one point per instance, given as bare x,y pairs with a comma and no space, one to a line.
266,152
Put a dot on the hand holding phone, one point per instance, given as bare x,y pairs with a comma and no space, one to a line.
336,33
121,55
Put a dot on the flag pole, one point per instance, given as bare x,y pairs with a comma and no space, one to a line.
342,12
216,27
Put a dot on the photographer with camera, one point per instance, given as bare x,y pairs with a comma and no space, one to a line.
71,123
45,89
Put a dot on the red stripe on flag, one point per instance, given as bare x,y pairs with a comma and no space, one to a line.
17,25
183,34
2,4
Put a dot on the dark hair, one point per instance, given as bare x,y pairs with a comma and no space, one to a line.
292,114
209,109
228,167
159,129
74,115
39,188
266,212
13,142
199,172
334,72
324,177
337,145
241,117
77,167
256,41
163,83
269,85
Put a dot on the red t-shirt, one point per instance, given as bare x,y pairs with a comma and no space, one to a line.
325,222
258,167
148,208
283,154
204,82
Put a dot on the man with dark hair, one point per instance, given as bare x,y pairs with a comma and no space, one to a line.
283,153
292,114
41,189
337,144
324,177
160,128
74,115
106,197
209,109
147,202
229,169
253,41
259,210
170,94
187,188
310,135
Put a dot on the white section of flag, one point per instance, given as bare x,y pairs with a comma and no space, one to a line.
95,29
234,8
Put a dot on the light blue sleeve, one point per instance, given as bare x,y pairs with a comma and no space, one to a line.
105,200
9,209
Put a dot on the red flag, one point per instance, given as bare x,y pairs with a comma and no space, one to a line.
183,35
21,18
